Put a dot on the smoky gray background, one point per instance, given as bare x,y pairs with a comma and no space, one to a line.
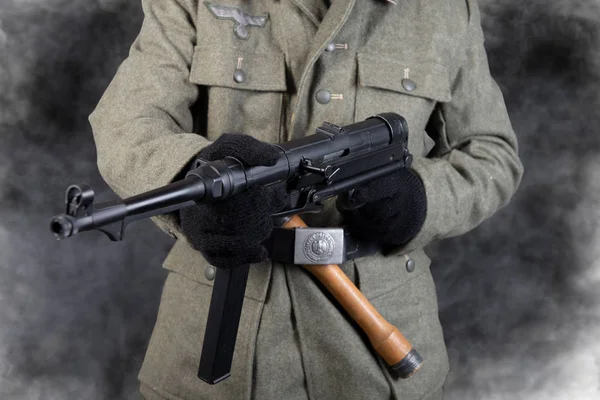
519,296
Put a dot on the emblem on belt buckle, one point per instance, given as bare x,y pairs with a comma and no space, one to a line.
319,246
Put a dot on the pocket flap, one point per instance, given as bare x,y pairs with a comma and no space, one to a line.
189,263
215,66
380,274
431,78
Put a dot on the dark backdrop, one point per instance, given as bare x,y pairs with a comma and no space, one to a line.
519,296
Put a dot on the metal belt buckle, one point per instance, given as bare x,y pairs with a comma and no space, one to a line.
314,246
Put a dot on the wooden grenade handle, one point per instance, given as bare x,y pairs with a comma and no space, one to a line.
386,339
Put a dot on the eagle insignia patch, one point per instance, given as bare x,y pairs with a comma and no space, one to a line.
242,19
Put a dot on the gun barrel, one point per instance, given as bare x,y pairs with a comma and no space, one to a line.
111,217
61,226
177,194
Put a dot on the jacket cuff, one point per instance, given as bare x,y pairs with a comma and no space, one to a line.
431,171
178,156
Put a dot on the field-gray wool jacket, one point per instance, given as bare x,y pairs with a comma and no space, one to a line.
177,91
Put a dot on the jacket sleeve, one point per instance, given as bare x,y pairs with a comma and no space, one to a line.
143,126
474,169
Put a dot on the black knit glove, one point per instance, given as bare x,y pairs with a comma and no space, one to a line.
393,212
230,233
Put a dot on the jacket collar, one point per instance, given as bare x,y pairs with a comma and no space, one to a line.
316,10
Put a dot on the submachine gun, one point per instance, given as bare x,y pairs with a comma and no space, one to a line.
332,162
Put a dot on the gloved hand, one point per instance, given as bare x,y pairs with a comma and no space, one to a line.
394,209
230,233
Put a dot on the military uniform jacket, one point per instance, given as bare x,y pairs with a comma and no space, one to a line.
303,63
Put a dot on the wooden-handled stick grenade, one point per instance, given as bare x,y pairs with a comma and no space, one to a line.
386,339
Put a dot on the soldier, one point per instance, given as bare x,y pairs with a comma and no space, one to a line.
273,71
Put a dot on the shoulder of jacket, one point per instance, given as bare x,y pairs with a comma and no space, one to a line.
473,13
190,7
463,10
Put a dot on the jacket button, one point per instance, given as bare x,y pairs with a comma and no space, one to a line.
336,46
409,84
239,76
323,96
209,273
410,265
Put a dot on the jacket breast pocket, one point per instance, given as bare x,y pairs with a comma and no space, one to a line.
408,87
244,91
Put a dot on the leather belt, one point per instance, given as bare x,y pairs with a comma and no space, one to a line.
316,246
